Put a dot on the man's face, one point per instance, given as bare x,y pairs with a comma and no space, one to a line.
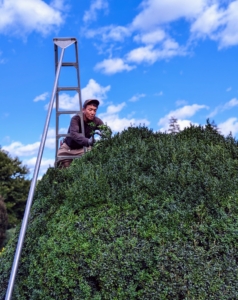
90,112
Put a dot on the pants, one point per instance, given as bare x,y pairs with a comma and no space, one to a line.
65,150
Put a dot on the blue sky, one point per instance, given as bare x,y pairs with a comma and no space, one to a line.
144,60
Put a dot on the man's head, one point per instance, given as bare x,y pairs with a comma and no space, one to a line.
90,107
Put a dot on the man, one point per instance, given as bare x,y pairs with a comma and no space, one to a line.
75,143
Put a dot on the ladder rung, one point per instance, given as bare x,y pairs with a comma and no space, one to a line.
58,136
68,157
69,64
67,112
68,89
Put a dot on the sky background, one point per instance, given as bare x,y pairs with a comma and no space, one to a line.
146,61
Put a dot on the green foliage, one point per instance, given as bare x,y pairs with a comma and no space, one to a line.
144,216
105,133
14,187
3,222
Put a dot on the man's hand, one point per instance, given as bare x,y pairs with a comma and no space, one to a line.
90,141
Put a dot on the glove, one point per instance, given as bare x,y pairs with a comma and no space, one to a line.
98,132
90,141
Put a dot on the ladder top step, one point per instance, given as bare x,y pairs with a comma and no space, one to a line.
65,39
64,42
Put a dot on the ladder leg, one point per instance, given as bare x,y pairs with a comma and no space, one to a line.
32,189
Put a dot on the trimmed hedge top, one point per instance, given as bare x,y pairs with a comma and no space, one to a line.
144,215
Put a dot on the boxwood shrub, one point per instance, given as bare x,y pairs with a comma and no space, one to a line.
144,215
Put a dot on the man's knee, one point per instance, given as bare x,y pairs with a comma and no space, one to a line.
65,163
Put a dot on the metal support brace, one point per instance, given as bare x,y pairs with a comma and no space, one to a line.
63,43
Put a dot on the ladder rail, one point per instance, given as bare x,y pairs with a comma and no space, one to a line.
79,92
56,101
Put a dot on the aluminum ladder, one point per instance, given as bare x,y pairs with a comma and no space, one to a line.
62,43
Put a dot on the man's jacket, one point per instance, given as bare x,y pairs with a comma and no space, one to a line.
76,139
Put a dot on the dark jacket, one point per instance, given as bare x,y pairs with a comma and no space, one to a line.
76,139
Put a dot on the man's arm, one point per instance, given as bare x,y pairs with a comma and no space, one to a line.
74,130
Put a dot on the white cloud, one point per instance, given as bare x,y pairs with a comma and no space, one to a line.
159,94
95,90
117,33
109,33
228,105
41,97
181,102
214,112
229,89
113,109
230,125
143,54
208,21
28,153
149,54
219,23
112,66
2,60
156,12
181,114
96,5
217,20
50,140
112,119
136,97
229,36
151,37
232,103
67,102
185,123
187,111
25,16
91,91
45,164
19,149
58,4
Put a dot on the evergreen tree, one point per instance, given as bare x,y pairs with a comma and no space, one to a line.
213,126
14,186
3,221
173,125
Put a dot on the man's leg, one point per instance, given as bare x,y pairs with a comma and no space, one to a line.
64,150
